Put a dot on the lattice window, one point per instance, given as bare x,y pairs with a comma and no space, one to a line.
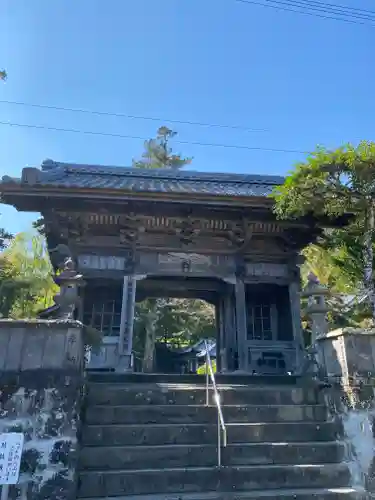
102,310
261,321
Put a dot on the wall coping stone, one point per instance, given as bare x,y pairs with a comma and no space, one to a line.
341,332
40,344
42,322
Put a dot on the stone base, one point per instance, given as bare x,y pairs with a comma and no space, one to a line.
108,358
124,364
104,357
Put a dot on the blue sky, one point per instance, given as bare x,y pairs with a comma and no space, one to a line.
303,80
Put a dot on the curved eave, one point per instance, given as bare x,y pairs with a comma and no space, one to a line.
14,193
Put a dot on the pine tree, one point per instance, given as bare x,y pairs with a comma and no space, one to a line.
158,153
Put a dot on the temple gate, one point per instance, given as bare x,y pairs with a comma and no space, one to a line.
149,233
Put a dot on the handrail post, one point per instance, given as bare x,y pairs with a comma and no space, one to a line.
207,377
218,440
221,428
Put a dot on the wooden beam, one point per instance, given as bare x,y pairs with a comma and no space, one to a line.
181,285
210,297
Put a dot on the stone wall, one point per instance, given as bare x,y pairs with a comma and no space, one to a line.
353,409
347,356
41,391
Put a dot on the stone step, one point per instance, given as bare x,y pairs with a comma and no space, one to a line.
194,480
175,414
184,394
230,378
181,456
294,494
134,435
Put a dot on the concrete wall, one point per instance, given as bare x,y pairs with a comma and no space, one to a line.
41,390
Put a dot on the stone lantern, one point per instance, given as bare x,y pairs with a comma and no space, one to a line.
316,306
317,311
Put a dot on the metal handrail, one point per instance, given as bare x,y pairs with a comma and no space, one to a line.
221,427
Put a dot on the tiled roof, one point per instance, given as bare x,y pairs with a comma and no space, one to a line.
66,175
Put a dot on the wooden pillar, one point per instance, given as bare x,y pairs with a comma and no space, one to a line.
218,335
230,341
241,324
221,361
295,313
80,309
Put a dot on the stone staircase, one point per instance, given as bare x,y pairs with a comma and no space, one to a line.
152,438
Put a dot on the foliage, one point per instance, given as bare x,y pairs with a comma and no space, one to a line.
202,370
181,322
350,257
26,284
3,75
10,286
333,184
158,154
324,264
329,183
5,238
92,337
39,226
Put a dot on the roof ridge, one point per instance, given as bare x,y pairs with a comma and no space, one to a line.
193,175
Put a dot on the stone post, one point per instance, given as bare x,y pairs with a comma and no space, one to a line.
124,349
42,382
125,341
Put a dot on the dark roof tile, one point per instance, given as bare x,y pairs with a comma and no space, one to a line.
155,180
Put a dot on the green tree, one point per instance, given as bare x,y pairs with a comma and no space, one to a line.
337,183
10,285
26,284
349,258
324,264
158,154
3,75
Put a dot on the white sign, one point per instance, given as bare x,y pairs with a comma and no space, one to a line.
11,446
102,262
270,269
